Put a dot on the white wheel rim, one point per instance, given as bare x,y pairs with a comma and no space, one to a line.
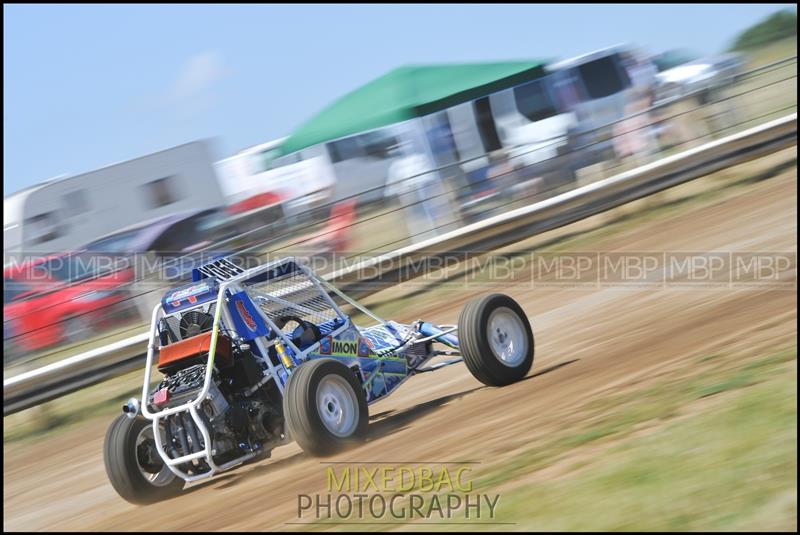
165,475
337,405
507,337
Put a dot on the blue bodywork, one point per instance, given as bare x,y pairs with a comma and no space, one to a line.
383,355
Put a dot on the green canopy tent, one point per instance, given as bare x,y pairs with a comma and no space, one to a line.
406,93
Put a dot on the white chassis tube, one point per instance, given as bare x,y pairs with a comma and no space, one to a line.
191,406
220,310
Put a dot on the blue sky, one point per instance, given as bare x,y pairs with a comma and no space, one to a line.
86,86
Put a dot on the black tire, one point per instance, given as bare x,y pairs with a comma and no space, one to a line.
120,456
303,418
476,346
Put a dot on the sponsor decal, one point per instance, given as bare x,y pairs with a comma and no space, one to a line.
379,339
386,335
325,345
364,346
176,296
248,319
343,347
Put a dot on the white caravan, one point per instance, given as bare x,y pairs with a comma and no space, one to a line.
63,214
250,173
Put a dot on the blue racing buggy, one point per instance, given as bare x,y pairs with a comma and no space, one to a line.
251,359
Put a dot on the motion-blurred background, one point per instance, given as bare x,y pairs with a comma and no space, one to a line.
414,153
175,134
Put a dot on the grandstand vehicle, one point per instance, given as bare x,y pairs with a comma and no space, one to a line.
254,358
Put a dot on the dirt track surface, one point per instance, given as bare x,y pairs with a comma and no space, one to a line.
589,342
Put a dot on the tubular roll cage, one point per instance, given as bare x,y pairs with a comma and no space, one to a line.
234,282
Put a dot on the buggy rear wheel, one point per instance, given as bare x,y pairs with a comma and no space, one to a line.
496,340
325,407
133,465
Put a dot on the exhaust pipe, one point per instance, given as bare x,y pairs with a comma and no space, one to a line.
131,409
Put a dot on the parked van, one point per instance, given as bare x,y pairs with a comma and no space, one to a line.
568,108
360,162
544,129
599,88
250,181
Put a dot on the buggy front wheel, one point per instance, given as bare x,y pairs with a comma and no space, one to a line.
496,340
133,465
325,407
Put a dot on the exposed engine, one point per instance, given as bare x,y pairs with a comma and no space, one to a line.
242,409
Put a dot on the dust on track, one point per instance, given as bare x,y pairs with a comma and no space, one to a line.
589,342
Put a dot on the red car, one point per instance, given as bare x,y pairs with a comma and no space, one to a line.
65,298
58,299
